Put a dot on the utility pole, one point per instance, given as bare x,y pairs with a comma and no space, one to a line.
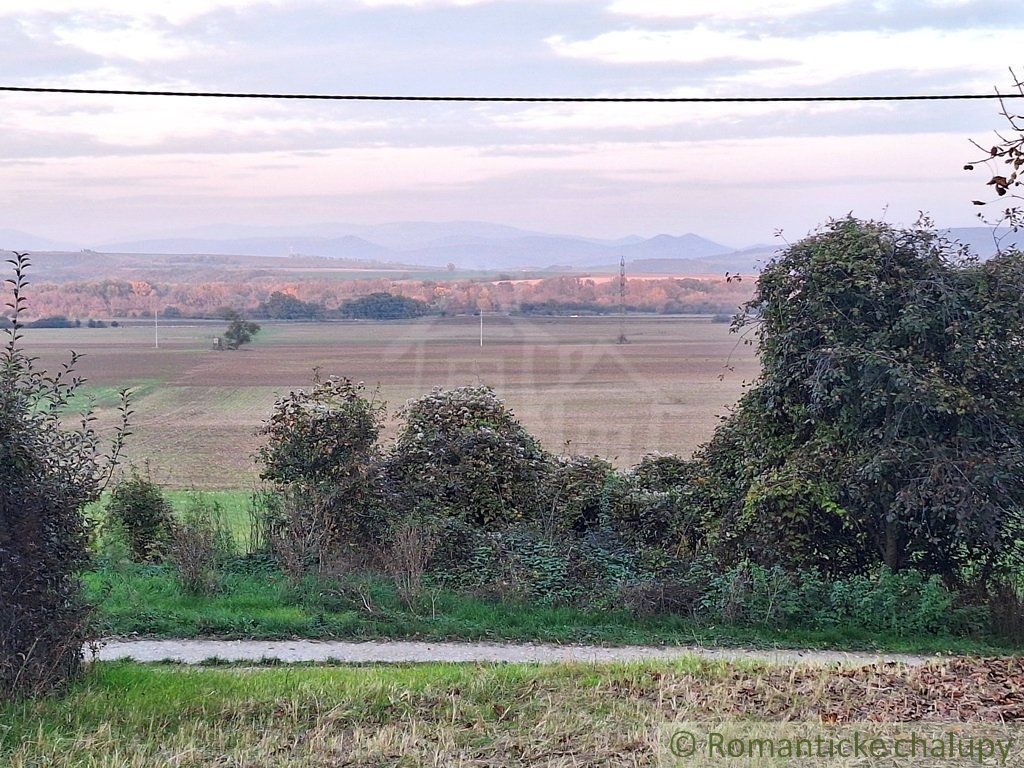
481,326
156,328
622,300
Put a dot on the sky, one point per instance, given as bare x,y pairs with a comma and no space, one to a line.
91,170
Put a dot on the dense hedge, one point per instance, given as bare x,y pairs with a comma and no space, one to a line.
884,440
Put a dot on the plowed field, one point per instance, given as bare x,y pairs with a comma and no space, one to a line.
567,380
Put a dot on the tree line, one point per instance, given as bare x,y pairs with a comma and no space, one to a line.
309,299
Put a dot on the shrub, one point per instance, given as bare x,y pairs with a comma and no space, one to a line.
56,321
655,508
461,453
887,426
138,507
901,603
524,563
264,514
897,604
749,593
109,544
47,474
324,435
573,490
322,443
656,597
406,559
664,472
200,544
297,526
1007,612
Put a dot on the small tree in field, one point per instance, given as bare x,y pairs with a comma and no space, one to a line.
47,473
239,331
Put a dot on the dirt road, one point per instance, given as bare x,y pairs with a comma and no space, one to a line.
401,652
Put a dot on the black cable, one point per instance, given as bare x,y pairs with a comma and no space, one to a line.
516,99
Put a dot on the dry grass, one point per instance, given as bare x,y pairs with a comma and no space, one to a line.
406,560
566,379
441,715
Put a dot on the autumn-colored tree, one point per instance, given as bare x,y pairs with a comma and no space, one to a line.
314,297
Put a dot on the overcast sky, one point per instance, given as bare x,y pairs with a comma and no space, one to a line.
92,169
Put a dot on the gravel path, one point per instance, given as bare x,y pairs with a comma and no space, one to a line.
396,652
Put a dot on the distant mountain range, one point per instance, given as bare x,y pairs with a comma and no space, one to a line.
15,240
468,245
347,247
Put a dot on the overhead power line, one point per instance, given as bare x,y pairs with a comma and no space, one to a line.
516,99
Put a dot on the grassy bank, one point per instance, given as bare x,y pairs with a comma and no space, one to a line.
254,604
130,715
255,600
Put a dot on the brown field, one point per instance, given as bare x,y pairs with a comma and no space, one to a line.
565,378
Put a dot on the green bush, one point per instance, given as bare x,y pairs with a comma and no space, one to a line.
323,435
322,443
526,564
652,508
138,508
749,593
900,604
572,493
462,454
664,472
109,544
201,542
887,426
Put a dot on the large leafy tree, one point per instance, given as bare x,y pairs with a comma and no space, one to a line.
284,306
888,423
